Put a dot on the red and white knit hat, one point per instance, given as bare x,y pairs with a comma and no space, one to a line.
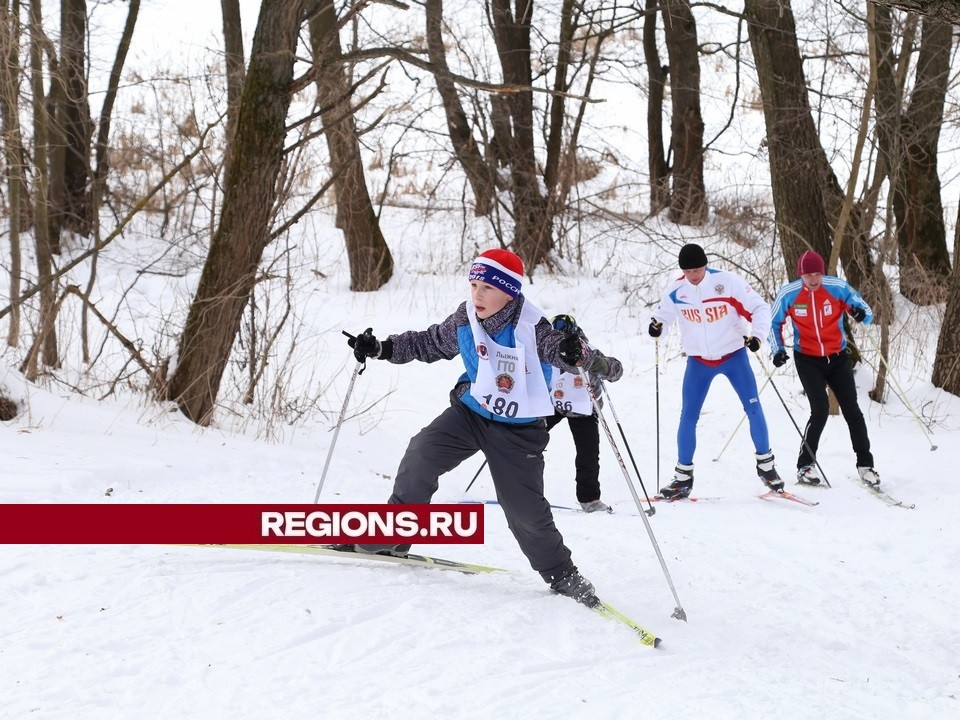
500,268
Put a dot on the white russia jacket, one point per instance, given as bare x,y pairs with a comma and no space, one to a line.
714,315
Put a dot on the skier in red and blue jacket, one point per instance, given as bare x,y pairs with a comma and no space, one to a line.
815,303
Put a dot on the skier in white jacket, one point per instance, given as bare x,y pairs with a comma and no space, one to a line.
720,316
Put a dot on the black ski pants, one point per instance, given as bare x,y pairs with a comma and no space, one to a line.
835,372
515,456
586,438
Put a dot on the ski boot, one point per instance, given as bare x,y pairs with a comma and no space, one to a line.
768,471
870,476
395,550
596,506
576,586
682,483
808,475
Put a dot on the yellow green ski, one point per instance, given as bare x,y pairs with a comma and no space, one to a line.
433,563
611,613
424,561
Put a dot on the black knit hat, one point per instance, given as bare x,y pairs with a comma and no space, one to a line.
692,256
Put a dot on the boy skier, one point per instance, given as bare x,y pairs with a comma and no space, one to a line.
496,408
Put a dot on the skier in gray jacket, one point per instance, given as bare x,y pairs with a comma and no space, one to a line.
496,408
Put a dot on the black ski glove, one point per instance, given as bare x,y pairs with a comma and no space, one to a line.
656,328
365,345
858,313
571,349
753,344
780,358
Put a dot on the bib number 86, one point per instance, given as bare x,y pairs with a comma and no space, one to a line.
501,407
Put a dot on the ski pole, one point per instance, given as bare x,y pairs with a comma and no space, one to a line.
656,375
623,435
900,394
803,438
678,611
476,476
336,432
742,418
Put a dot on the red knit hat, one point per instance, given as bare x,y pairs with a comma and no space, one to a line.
810,262
500,268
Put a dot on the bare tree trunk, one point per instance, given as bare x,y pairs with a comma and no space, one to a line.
846,209
568,172
889,92
533,226
656,83
106,110
499,148
792,140
688,201
921,234
479,174
56,143
73,119
13,150
371,264
234,64
243,234
946,363
557,104
98,181
890,75
47,340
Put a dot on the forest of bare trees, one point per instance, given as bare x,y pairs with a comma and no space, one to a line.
503,102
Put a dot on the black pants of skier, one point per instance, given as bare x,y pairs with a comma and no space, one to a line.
586,438
835,372
515,456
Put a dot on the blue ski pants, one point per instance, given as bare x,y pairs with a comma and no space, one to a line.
696,383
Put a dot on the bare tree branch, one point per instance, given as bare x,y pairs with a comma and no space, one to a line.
411,58
142,203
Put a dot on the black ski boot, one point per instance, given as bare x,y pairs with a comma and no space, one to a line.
682,483
768,472
396,550
576,586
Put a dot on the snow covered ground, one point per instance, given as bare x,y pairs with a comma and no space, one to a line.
846,610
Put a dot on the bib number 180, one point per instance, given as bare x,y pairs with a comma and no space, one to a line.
501,407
